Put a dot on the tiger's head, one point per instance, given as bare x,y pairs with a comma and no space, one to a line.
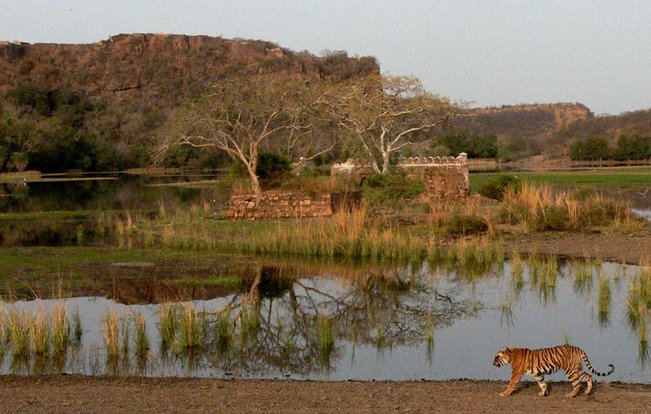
502,357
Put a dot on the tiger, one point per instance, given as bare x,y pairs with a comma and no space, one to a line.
545,361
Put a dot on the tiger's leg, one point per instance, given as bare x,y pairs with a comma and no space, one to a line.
515,378
588,380
573,376
543,386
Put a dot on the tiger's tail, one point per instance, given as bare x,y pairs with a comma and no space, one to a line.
587,364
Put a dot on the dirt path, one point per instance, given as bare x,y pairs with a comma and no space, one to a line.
68,394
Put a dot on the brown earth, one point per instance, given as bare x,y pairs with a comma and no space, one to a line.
68,394
614,247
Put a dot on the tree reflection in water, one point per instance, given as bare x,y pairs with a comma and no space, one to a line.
382,309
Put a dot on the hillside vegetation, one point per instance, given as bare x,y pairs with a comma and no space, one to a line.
102,103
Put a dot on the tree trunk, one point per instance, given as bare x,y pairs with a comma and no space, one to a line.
385,162
255,186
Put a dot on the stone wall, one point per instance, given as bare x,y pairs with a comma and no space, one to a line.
444,177
287,204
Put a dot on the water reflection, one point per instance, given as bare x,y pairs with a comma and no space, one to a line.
368,323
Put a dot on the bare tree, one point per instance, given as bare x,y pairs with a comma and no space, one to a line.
240,115
385,112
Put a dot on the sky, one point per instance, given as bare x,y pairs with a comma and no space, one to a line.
483,52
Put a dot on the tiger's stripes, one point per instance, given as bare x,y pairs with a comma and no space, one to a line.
545,361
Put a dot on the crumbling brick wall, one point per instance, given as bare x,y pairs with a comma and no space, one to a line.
446,182
276,204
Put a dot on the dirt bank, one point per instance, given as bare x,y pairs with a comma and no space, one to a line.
615,247
124,395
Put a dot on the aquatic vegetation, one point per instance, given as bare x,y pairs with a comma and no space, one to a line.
191,329
142,339
639,296
604,299
583,273
223,332
168,324
39,331
111,324
61,329
249,325
469,258
77,330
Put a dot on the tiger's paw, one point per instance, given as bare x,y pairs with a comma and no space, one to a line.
504,394
543,393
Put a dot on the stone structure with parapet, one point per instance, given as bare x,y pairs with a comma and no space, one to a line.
445,178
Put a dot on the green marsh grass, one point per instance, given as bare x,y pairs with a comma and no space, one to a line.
142,339
77,329
604,299
60,329
111,324
39,331
517,271
168,317
249,325
470,258
583,274
124,328
223,332
639,297
191,330
18,332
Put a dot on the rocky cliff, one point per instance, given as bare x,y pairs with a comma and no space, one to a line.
160,66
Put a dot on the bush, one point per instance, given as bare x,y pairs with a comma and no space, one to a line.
633,147
465,225
393,185
272,167
591,149
496,187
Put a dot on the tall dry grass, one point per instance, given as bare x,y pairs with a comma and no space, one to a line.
539,208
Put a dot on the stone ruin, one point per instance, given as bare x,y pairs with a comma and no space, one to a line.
445,178
291,204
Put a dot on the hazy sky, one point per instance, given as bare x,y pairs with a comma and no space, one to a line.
494,52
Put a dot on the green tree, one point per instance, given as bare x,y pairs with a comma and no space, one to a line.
591,149
461,140
633,147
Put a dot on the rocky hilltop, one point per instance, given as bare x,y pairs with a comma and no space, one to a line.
160,66
535,121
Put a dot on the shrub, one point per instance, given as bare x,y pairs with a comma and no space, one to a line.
465,225
394,185
272,167
590,150
496,187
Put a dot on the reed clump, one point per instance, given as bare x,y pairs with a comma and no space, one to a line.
191,329
111,324
639,297
142,339
36,332
61,329
168,323
604,299
539,208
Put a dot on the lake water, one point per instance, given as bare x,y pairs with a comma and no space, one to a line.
405,325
